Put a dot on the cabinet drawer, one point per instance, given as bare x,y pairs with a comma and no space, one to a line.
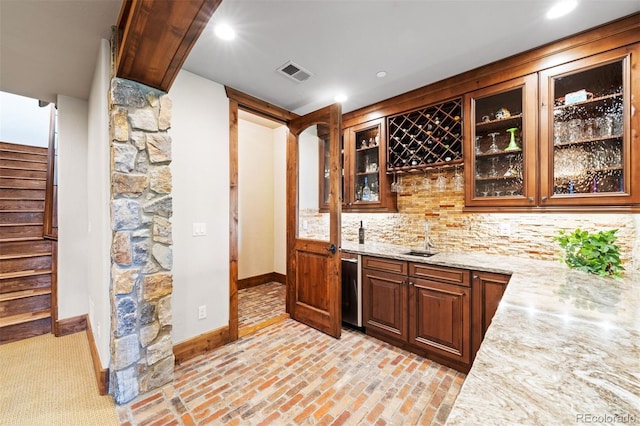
440,273
386,265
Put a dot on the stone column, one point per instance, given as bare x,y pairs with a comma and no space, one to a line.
141,249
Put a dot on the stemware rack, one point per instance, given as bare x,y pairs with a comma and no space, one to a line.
425,138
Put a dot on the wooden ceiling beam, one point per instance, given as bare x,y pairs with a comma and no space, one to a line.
156,36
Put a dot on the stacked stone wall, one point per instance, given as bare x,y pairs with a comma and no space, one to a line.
141,250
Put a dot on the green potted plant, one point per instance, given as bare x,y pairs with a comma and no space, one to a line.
595,253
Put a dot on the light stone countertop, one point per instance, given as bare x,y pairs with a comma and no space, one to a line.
562,349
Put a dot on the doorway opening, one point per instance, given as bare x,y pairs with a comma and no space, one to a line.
261,222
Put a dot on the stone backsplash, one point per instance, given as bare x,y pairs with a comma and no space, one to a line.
451,229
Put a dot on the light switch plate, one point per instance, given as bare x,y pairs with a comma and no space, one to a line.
199,229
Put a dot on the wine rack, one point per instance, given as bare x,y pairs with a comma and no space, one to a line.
425,138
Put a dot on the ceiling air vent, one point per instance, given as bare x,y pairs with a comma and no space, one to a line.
294,71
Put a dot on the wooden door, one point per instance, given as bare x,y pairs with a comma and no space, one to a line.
439,319
313,264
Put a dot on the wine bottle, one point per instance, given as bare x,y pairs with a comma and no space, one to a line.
366,191
361,234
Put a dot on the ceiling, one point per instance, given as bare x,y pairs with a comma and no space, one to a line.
49,47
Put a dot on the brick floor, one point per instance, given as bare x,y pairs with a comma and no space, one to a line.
258,304
291,374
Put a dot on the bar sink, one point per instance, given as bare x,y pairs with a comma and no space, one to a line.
420,253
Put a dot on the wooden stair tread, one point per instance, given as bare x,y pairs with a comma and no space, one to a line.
44,161
21,168
24,255
23,148
22,178
23,211
12,240
29,273
22,199
22,224
23,294
22,318
21,151
20,187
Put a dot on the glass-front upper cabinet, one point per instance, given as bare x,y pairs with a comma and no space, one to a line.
585,131
366,184
501,145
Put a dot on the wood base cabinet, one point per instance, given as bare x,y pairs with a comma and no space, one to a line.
487,290
384,287
439,319
421,308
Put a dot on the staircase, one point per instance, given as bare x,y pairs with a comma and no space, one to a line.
26,262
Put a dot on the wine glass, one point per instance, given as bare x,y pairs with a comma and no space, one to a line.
400,186
415,188
458,180
426,184
493,148
511,171
493,172
441,181
394,185
478,150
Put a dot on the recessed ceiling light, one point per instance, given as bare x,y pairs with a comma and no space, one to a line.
341,97
381,74
225,32
561,8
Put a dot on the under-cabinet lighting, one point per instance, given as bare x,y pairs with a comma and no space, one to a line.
561,8
224,31
340,98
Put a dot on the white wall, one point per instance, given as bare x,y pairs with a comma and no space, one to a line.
262,232
280,199
22,121
98,195
200,168
255,199
72,207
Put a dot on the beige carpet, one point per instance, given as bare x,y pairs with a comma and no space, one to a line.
49,380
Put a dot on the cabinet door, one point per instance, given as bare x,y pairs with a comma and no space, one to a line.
439,319
385,303
487,291
368,187
586,122
501,144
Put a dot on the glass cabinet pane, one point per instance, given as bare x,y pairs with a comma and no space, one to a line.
325,167
587,131
498,149
366,182
326,159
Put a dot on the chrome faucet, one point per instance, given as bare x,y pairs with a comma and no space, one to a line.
428,245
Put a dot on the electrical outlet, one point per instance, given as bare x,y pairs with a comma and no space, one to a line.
504,229
202,312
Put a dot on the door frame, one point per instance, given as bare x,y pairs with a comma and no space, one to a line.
237,101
